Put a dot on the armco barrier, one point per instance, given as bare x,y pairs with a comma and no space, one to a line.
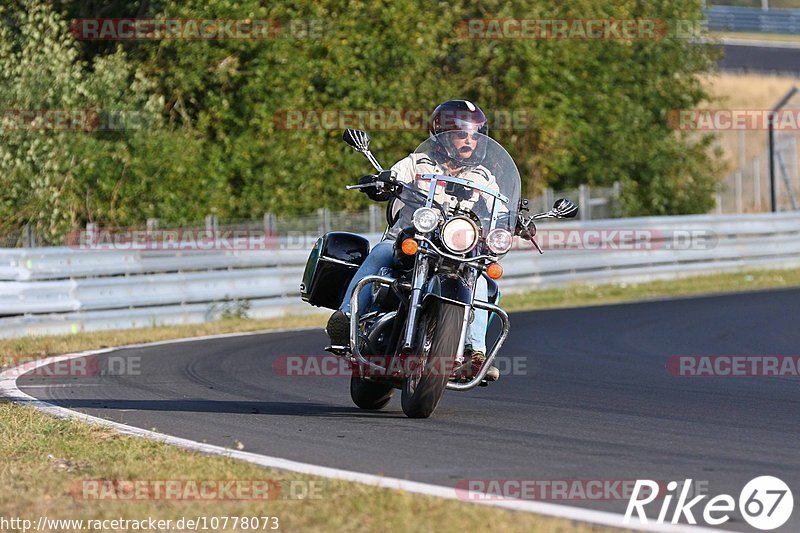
753,19
63,290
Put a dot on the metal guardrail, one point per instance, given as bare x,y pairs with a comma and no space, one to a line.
753,19
62,290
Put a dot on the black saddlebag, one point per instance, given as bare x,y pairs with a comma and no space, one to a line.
331,265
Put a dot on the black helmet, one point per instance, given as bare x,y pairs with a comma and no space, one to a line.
455,119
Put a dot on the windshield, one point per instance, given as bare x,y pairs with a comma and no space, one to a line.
470,174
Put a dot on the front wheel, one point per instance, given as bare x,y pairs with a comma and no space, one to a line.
438,341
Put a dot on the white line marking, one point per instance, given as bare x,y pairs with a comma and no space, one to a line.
732,41
63,385
9,389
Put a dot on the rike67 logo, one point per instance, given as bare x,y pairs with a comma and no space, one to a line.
765,503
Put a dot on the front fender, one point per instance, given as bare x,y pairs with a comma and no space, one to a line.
448,288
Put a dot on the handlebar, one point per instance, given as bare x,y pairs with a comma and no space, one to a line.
386,180
363,185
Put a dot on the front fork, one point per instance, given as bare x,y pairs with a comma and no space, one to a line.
418,282
415,304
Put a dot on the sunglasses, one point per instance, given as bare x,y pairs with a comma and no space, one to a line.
461,135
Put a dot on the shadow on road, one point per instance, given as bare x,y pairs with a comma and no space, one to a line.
217,406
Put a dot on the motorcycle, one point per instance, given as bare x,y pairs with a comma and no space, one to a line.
412,337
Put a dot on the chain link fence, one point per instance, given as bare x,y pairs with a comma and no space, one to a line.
759,172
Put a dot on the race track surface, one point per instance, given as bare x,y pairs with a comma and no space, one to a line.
759,58
592,400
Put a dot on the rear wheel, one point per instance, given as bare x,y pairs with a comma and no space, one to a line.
438,340
366,393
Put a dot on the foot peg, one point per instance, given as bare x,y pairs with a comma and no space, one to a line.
341,351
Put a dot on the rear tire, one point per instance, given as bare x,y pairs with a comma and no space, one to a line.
438,339
369,395
366,393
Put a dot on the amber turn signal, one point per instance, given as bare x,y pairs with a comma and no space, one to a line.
409,246
494,271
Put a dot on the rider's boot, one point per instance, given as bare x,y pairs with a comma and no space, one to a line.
478,358
338,329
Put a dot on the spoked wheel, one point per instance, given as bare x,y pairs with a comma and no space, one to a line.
366,393
438,342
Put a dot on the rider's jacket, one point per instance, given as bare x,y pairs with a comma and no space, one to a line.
410,170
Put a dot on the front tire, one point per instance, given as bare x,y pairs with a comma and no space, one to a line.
439,338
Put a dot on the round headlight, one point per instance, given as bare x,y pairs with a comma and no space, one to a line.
499,240
460,235
425,219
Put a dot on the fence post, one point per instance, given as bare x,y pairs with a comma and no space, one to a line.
91,233
152,225
270,224
742,150
757,183
793,156
212,224
738,186
718,198
583,201
324,220
374,218
614,203
547,199
773,202
28,239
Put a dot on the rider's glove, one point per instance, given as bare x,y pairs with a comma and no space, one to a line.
525,231
373,192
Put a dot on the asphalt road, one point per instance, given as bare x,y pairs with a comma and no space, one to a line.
591,400
765,59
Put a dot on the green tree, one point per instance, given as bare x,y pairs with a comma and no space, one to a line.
216,142
600,106
117,167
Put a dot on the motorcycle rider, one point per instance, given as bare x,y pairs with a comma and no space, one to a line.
458,153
